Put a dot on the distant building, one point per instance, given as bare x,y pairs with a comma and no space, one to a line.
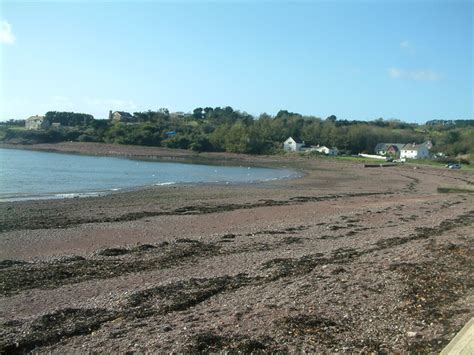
177,114
121,116
292,145
36,123
403,151
414,151
428,145
393,149
323,150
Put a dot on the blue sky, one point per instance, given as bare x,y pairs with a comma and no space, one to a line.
358,60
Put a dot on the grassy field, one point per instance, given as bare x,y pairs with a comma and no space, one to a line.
356,159
420,162
342,158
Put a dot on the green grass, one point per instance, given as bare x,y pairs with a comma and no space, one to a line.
341,158
16,128
468,167
447,190
412,162
357,159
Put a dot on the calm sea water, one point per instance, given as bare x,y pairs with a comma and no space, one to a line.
32,175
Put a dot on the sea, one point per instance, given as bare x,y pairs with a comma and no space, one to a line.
27,175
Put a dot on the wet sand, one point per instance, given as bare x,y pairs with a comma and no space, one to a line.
342,259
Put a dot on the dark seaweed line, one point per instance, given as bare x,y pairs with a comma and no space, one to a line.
17,276
23,277
51,275
306,264
411,187
469,182
51,328
138,304
42,223
62,324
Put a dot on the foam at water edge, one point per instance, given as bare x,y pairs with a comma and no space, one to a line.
52,197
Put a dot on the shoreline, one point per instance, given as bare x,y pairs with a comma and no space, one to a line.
147,153
155,154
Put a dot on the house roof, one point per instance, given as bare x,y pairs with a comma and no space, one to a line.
35,118
123,113
297,140
428,144
385,146
413,146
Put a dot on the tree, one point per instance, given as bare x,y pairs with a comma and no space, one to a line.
69,118
198,114
208,111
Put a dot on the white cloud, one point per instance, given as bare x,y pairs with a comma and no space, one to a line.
416,75
407,46
394,73
6,34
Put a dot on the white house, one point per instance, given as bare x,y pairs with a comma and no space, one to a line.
36,123
389,149
414,151
292,145
121,116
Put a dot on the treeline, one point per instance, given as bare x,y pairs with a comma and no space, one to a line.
226,129
69,118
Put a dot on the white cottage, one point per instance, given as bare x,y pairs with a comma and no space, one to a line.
414,151
36,123
121,116
292,145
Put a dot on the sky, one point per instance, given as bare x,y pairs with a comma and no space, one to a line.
358,60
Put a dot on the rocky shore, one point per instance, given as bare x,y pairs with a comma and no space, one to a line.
344,259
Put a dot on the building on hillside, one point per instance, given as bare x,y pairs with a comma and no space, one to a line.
392,149
292,145
36,123
177,114
121,116
414,151
428,145
323,150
